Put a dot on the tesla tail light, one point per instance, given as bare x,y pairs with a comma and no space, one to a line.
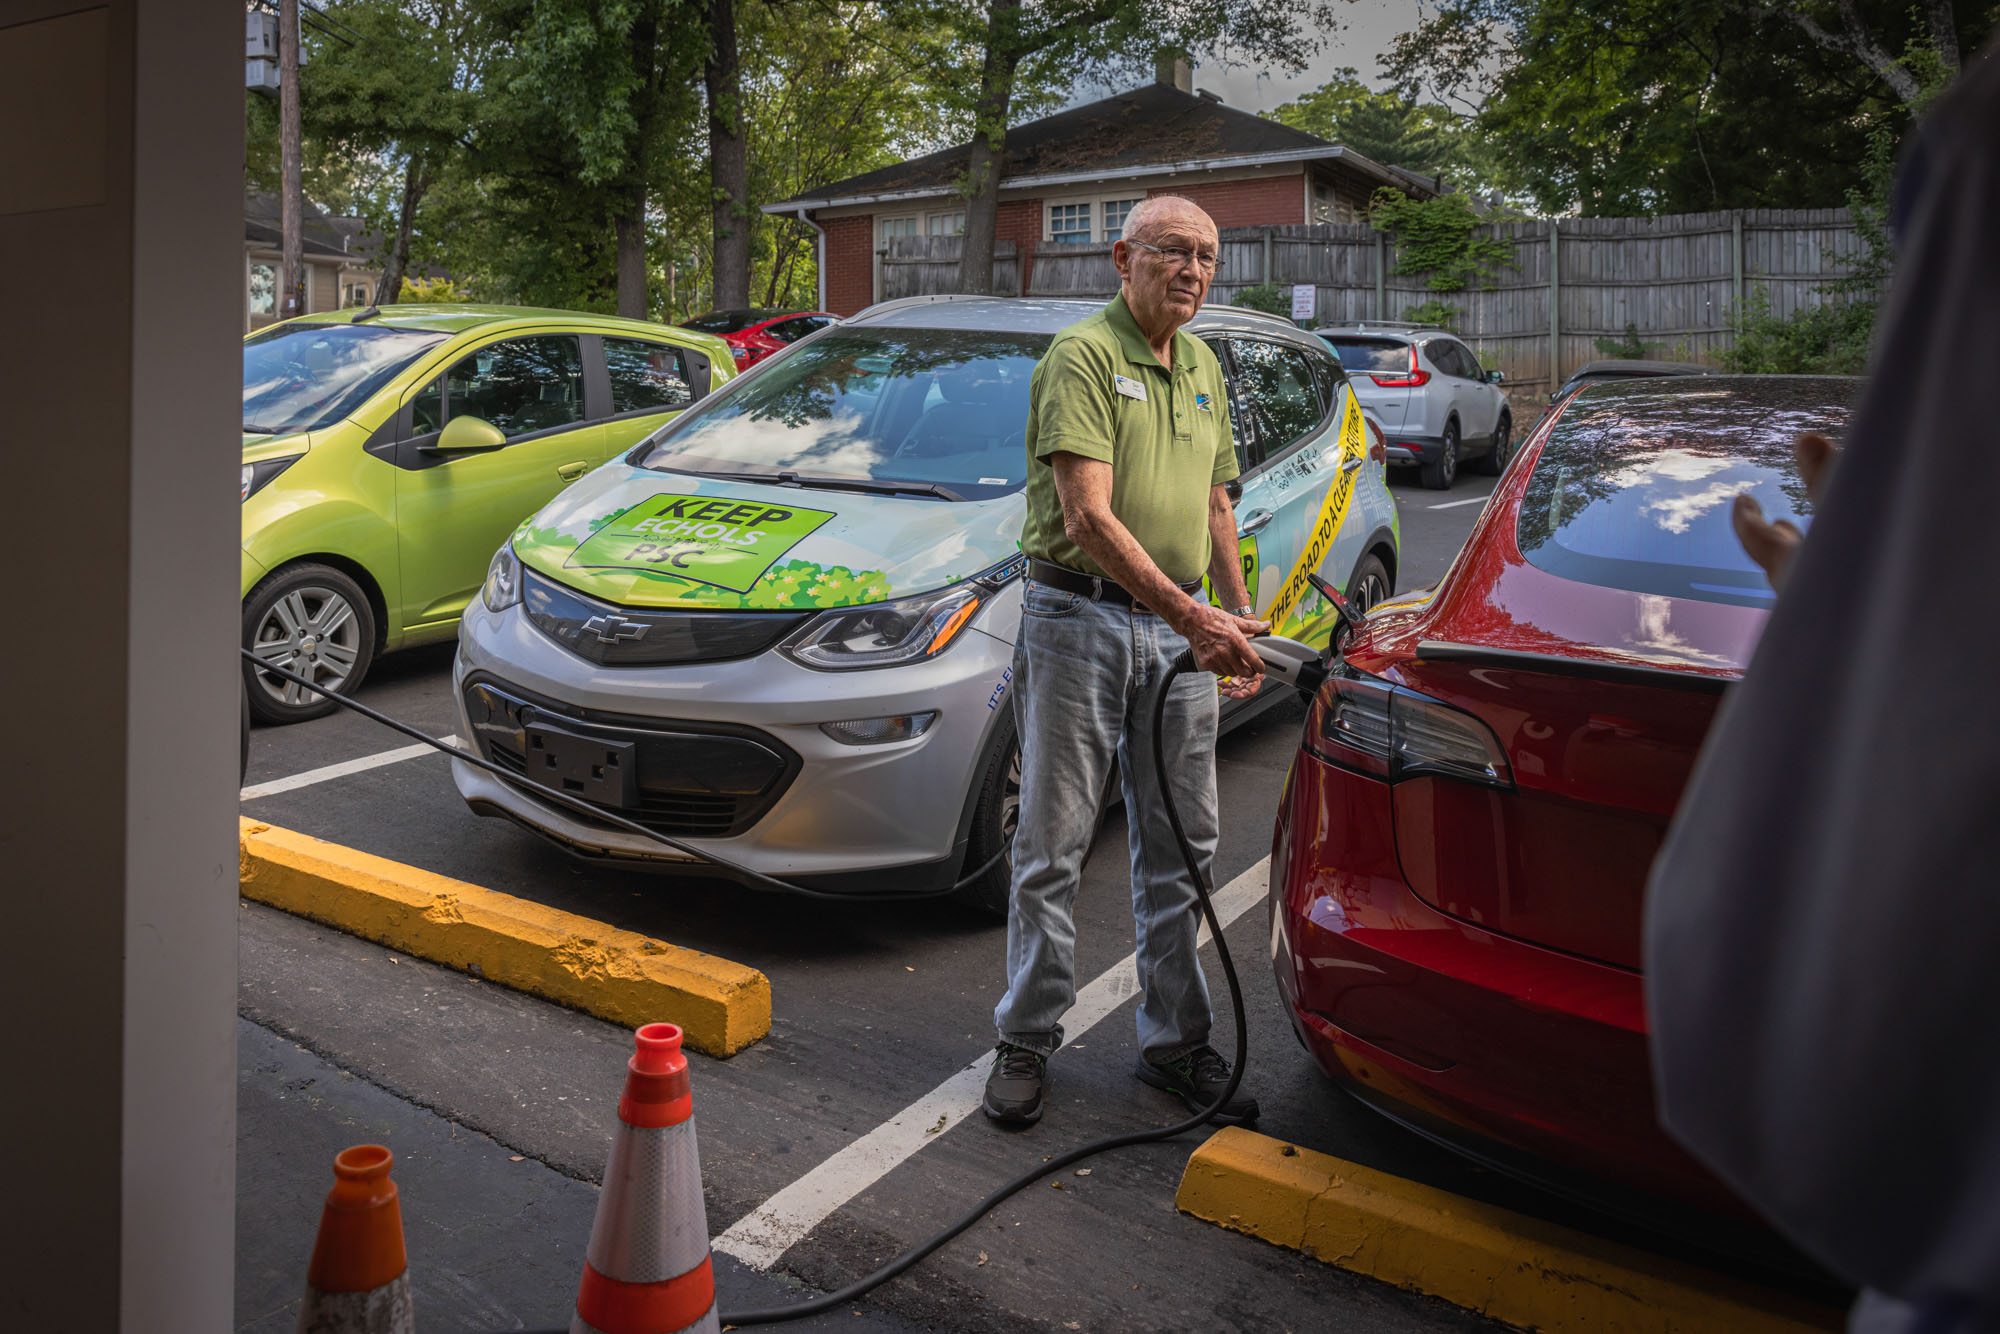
1362,722
1414,378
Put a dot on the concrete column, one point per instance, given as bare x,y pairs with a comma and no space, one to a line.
121,198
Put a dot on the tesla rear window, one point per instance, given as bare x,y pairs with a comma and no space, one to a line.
1361,355
1634,486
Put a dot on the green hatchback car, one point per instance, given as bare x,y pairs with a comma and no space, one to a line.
387,453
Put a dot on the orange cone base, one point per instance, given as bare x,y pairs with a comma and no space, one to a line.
383,1310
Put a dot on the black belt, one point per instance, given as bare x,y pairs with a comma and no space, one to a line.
1091,586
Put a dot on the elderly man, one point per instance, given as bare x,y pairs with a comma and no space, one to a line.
1129,449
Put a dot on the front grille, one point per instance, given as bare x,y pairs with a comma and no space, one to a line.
685,779
632,637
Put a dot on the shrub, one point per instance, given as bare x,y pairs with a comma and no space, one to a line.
1267,297
1831,339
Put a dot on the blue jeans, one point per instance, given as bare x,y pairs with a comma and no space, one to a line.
1087,677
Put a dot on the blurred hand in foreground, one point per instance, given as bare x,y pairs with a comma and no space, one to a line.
1775,545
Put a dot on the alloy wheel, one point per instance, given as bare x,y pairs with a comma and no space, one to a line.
312,632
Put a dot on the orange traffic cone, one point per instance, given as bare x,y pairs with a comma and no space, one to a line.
647,1270
359,1281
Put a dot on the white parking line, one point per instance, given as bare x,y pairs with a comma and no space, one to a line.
341,770
1454,504
781,1222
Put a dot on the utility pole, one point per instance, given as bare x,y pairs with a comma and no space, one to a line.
291,270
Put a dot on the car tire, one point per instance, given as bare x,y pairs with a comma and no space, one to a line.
1495,461
313,620
1440,475
995,813
1370,584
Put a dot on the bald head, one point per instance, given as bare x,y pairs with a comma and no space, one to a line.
1160,214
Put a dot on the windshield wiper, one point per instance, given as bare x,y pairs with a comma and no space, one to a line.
249,429
867,484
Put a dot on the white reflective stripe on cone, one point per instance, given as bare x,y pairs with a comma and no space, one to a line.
708,1324
651,1223
383,1310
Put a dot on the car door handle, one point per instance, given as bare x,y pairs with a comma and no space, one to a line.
1349,465
1256,521
569,472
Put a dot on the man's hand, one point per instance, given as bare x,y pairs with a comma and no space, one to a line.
1775,545
1221,644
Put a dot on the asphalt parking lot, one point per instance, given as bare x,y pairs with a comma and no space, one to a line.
874,1006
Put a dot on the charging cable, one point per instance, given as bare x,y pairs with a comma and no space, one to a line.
1285,659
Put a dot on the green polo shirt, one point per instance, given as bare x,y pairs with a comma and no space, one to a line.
1099,392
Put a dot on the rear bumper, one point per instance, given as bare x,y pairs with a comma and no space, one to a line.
1477,1038
1405,448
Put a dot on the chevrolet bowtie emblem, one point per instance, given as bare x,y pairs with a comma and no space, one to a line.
616,629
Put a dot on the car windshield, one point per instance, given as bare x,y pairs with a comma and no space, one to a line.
297,377
937,410
1361,355
727,321
1634,485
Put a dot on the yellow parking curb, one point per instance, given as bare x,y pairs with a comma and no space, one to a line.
1500,1264
622,976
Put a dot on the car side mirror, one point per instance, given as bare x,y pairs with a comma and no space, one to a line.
466,435
1496,377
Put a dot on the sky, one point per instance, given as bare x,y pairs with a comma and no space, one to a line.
1369,28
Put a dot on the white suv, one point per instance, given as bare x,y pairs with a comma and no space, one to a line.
1436,405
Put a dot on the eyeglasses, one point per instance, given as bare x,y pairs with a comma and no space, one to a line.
1180,257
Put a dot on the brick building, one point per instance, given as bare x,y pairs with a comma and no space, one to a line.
1073,176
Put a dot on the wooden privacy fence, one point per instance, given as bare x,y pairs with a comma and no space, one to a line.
1678,282
923,265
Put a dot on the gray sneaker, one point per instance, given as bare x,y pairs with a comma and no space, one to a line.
1198,1078
1014,1088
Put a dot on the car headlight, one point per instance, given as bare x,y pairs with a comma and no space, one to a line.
503,579
890,634
258,475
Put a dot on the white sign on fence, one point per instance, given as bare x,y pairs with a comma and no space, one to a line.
1303,295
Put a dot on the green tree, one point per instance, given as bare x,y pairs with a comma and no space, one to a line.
594,91
397,96
1395,129
1617,107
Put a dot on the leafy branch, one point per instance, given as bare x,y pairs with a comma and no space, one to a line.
1440,239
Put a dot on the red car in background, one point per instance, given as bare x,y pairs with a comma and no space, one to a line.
1461,854
755,334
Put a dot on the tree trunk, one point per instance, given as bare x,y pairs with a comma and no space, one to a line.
728,163
416,183
989,146
291,208
631,226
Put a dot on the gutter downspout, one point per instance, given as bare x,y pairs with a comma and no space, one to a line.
819,256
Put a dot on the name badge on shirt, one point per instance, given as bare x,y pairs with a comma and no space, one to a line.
1129,387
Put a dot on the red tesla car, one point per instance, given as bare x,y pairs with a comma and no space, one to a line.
755,334
1461,854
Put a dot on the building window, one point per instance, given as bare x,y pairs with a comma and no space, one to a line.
894,227
263,290
1069,222
1115,211
357,294
948,224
